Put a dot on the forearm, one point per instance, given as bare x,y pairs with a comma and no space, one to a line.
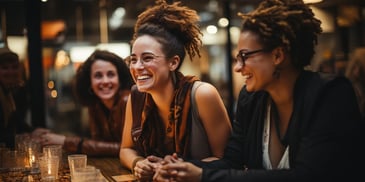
91,147
98,148
128,157
71,144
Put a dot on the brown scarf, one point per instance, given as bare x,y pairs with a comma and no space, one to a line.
150,138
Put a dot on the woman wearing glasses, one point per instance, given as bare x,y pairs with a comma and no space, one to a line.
291,124
159,119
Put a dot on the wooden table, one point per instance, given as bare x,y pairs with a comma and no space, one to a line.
109,167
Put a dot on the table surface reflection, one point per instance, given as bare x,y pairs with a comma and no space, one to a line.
108,166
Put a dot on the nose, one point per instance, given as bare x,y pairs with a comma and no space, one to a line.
105,79
138,65
237,67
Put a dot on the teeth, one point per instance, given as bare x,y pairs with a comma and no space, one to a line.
142,77
105,89
247,76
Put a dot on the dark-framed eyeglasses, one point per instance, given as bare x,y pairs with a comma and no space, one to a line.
145,59
243,55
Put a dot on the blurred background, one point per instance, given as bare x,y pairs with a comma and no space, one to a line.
53,37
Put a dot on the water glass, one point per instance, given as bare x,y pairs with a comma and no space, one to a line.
86,174
76,161
48,166
54,150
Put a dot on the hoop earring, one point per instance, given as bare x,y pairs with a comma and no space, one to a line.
276,73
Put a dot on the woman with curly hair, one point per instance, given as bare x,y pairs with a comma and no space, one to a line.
169,112
102,84
291,124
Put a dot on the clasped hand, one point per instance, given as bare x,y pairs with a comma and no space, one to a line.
174,169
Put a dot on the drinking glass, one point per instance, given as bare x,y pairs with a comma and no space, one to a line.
76,161
48,166
54,150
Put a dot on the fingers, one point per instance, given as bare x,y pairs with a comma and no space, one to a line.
40,131
44,139
169,159
175,167
162,175
144,170
175,156
172,158
153,158
142,174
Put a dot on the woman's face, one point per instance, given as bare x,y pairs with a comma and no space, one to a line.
10,74
258,65
148,65
104,80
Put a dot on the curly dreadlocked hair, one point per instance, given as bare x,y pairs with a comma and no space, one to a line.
287,23
174,26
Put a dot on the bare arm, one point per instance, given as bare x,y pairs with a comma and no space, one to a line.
127,154
214,117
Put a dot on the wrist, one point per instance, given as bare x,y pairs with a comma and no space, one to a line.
135,160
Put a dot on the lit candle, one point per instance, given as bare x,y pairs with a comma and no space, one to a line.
49,166
31,157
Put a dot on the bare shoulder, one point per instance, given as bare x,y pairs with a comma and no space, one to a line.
205,91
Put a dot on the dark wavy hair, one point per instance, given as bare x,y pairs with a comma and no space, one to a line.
287,23
82,84
174,26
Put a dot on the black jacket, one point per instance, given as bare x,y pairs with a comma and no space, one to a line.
323,135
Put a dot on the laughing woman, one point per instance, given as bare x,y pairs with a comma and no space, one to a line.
159,116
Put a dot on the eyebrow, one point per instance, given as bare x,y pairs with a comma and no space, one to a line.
244,50
144,53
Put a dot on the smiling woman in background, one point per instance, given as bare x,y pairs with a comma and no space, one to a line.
102,84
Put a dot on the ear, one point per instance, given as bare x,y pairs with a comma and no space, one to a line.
174,62
279,55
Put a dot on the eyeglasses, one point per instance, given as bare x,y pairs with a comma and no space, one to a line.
145,59
242,56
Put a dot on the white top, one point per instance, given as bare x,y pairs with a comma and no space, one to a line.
284,162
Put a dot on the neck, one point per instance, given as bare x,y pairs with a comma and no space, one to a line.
282,94
163,98
282,90
108,103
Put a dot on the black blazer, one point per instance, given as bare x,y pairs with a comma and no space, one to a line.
323,135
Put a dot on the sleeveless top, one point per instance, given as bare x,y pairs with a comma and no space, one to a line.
150,139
